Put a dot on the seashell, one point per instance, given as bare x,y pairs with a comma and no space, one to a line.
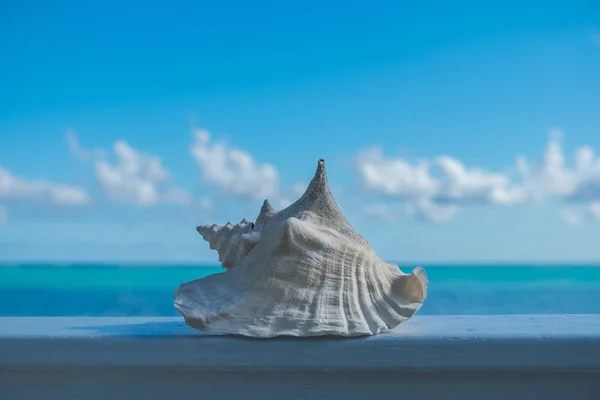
302,271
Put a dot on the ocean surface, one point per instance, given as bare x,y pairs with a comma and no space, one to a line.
114,290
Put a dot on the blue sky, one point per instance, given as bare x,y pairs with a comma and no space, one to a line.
451,133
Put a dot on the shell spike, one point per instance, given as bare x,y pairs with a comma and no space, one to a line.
266,212
319,181
318,186
318,198
207,231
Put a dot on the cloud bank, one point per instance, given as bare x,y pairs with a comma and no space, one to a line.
13,187
16,188
133,177
437,189
433,190
138,178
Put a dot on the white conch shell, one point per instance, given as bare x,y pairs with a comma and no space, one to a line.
302,271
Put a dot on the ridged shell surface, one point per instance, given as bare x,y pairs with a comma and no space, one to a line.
302,271
232,242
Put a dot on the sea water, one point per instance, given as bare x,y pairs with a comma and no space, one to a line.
127,290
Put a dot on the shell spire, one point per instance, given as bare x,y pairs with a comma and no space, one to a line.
317,192
226,241
318,199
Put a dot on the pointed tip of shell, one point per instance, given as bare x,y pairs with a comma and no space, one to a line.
321,170
207,229
201,229
319,181
266,212
267,207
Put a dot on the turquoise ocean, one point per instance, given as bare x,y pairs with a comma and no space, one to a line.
128,290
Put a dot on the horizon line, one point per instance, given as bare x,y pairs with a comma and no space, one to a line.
407,263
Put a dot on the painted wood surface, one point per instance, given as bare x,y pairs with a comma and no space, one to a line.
429,357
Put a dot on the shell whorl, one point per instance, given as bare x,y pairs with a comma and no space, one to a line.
232,242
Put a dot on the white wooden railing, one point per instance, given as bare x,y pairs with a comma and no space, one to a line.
429,357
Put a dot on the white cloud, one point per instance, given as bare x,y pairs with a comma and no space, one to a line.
17,188
461,186
232,169
137,177
578,184
395,177
436,189
67,195
550,177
